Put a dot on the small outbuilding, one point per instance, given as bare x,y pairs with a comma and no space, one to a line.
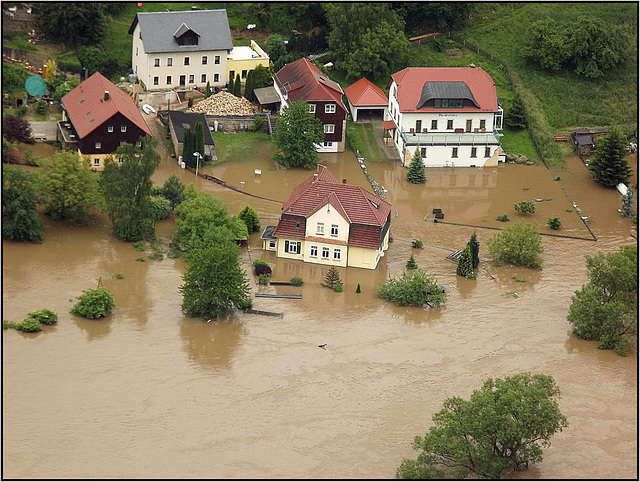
367,100
584,145
180,122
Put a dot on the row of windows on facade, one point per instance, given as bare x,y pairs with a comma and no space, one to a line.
434,124
122,143
293,247
192,78
454,152
328,108
320,229
186,60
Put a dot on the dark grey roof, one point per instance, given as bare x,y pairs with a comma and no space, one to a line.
268,233
267,95
183,29
584,141
445,90
158,30
183,121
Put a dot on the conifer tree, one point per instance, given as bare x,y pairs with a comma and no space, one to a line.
474,245
411,264
248,87
626,210
208,89
416,174
465,263
516,119
333,277
609,166
237,88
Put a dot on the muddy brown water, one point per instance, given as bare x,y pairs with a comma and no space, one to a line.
149,393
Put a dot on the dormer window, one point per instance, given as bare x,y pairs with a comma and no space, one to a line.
185,35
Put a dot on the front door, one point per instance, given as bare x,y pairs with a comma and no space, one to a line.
183,80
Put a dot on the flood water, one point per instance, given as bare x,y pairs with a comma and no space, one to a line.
150,393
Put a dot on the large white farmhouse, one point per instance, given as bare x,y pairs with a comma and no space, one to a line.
451,114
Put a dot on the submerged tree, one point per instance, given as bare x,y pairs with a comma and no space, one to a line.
333,277
609,167
20,198
519,244
503,426
474,246
411,264
626,208
416,174
465,263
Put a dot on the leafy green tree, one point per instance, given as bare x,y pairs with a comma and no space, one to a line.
262,77
64,88
13,77
275,47
159,207
503,426
609,167
416,173
20,198
422,17
44,316
367,38
412,289
97,59
606,308
94,304
70,187
80,23
250,218
214,282
332,278
411,264
295,137
519,244
126,188
554,223
174,190
465,263
596,46
10,153
16,129
516,118
548,45
525,207
474,246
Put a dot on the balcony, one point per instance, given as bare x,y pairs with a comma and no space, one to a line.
451,139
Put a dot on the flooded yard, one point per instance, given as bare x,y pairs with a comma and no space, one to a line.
149,393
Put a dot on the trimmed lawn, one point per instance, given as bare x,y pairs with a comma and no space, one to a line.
363,138
239,146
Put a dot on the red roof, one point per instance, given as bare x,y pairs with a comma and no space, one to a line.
87,108
365,93
356,205
304,81
411,80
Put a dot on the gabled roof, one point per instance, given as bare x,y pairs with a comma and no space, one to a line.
411,86
355,204
365,93
302,80
160,30
183,121
88,109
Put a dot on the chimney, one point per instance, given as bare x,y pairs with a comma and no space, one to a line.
344,181
315,176
106,95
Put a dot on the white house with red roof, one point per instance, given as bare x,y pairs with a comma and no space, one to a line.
331,223
97,118
450,113
367,99
303,81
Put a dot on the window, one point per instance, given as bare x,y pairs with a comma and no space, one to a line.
244,74
328,144
474,152
292,247
487,151
325,253
156,80
314,252
140,34
459,103
120,160
334,230
418,126
168,80
272,244
483,124
156,63
186,61
203,78
469,125
434,125
136,51
423,152
170,62
329,108
139,143
320,229
436,103
337,252
109,128
445,102
98,145
216,59
454,152
232,75
312,108
450,124
192,78
329,128
204,60
216,78
96,161
123,128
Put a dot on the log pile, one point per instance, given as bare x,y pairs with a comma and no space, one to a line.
224,104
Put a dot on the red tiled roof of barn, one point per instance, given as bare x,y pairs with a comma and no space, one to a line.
365,93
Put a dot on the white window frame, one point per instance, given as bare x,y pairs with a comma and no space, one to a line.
169,80
156,62
334,230
216,60
474,152
96,161
123,128
139,143
292,247
337,254
487,151
204,60
312,108
216,78
170,62
423,152
272,243
328,144
98,145
329,108
320,229
203,78
156,80
192,79
313,251
109,128
325,252
329,128
187,61
454,152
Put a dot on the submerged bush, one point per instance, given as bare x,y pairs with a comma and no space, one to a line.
296,281
413,289
94,304
45,316
261,267
29,325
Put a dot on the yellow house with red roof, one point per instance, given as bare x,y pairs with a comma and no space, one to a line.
331,223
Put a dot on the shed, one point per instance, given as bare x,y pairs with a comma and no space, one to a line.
180,122
367,99
268,98
584,144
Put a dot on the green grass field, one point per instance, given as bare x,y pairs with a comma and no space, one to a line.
363,138
239,146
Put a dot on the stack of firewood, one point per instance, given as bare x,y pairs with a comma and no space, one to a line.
224,104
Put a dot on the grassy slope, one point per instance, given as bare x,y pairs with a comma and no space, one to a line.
568,100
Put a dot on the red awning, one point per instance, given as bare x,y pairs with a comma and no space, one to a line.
388,125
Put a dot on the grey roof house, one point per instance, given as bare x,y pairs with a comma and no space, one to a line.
182,49
180,122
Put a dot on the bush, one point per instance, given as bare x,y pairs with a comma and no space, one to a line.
417,243
525,207
411,264
41,107
250,217
518,244
554,223
261,267
263,279
94,304
45,316
159,207
296,281
503,218
412,289
338,288
29,325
